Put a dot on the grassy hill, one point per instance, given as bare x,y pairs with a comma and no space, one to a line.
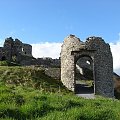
29,77
26,93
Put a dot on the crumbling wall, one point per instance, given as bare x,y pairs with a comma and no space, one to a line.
53,72
71,43
99,52
26,49
14,50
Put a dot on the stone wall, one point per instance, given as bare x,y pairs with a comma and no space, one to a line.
46,62
26,49
53,72
13,50
16,51
99,53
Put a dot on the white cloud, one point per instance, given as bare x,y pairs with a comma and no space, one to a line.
46,50
53,50
115,48
1,43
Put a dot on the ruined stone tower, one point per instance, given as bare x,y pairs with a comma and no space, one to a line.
15,49
99,56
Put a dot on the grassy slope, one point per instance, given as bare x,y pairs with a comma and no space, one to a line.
29,77
27,93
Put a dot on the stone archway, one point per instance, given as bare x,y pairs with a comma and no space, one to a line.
99,51
84,80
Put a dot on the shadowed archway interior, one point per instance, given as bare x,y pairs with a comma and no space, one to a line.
84,81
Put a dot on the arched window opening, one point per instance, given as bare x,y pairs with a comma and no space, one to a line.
88,62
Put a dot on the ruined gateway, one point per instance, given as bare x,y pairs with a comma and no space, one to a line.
94,51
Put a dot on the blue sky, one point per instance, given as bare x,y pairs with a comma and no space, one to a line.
35,21
45,23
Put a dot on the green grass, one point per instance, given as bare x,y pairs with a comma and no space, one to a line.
30,77
7,63
21,103
87,82
21,100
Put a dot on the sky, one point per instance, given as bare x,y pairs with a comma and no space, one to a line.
45,23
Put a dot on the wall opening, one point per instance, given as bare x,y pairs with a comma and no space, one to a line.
84,80
14,58
3,58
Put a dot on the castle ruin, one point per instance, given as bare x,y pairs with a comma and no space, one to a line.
21,53
94,52
14,50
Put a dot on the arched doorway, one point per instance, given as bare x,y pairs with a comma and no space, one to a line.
84,80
